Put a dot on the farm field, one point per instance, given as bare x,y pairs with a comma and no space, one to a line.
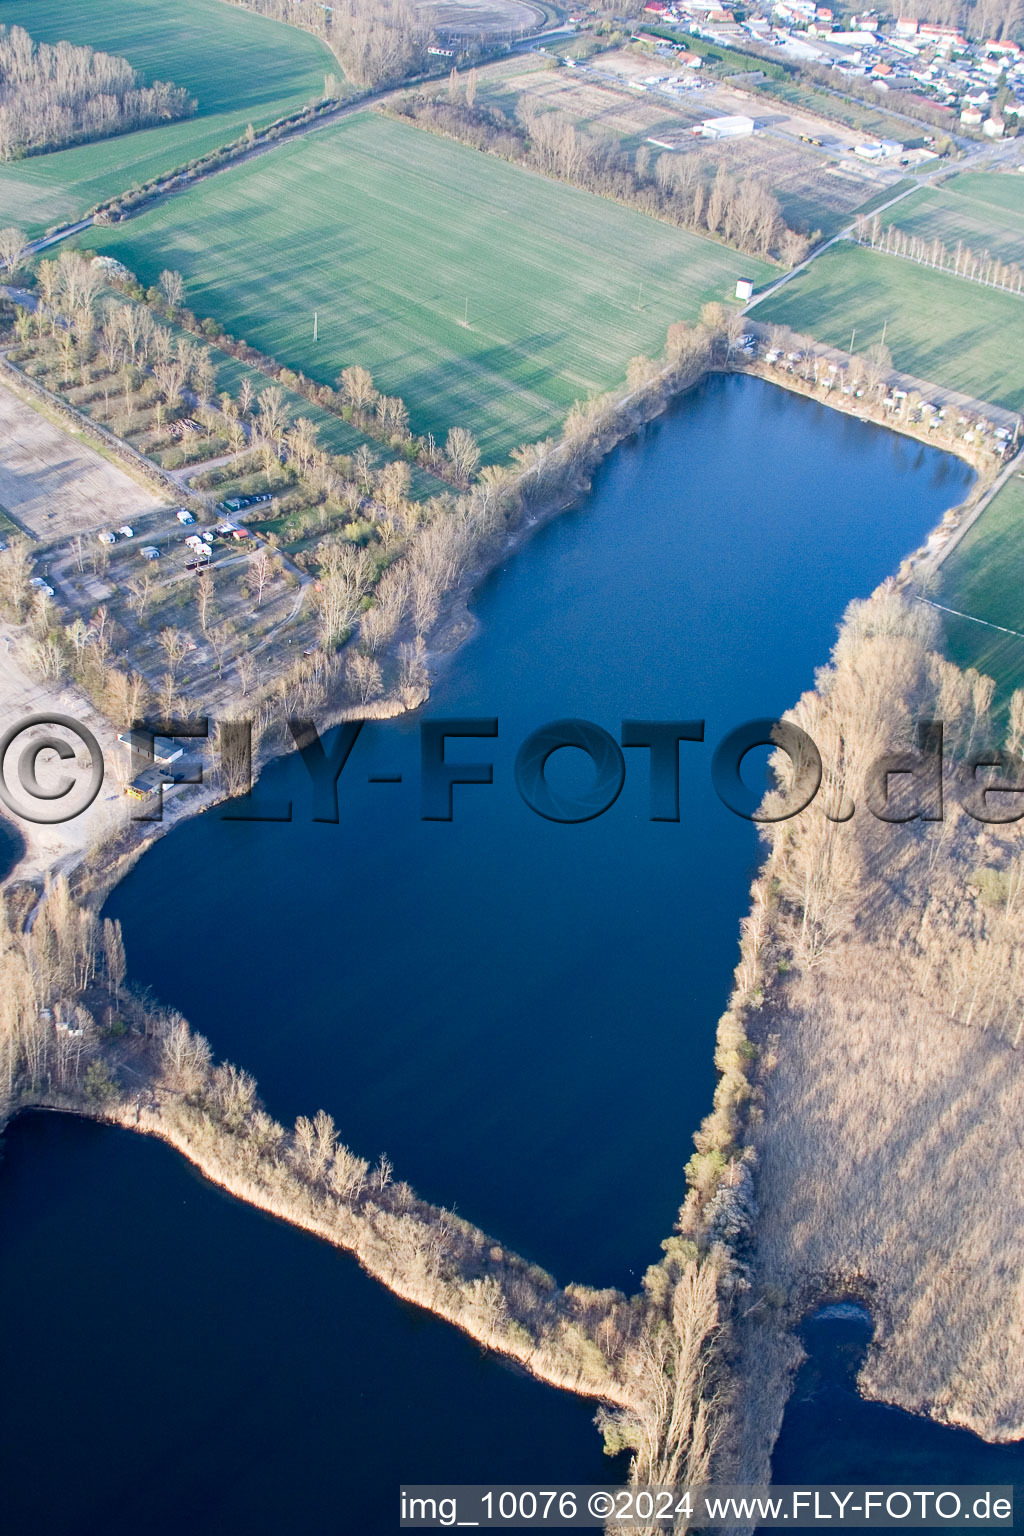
940,328
241,68
981,577
815,190
485,295
986,212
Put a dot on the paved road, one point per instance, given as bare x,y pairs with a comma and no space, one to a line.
985,155
325,120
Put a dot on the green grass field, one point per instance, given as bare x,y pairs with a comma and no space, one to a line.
397,238
942,329
986,212
982,577
240,68
334,434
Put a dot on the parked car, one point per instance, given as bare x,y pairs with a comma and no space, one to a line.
239,503
42,586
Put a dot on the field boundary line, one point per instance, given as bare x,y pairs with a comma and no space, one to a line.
984,501
963,277
974,620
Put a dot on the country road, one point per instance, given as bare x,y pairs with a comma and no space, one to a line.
971,162
264,146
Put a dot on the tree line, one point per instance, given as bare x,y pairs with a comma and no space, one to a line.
376,42
985,268
354,396
57,94
683,188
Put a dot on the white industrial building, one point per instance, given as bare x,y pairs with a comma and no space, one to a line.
884,149
725,128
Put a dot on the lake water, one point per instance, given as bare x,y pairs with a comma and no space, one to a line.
521,1013
185,1364
11,847
831,1434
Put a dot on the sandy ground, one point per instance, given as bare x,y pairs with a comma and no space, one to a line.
62,845
53,485
588,90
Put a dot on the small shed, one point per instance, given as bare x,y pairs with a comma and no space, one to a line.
744,288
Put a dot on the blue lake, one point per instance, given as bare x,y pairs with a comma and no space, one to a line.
185,1364
520,1013
11,847
831,1434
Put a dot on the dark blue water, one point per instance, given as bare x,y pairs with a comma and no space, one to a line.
176,1362
521,1013
831,1434
11,847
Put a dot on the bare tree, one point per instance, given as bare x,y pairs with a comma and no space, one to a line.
204,596
140,589
260,571
462,453
393,484
357,387
175,645
364,677
220,639
172,286
13,251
